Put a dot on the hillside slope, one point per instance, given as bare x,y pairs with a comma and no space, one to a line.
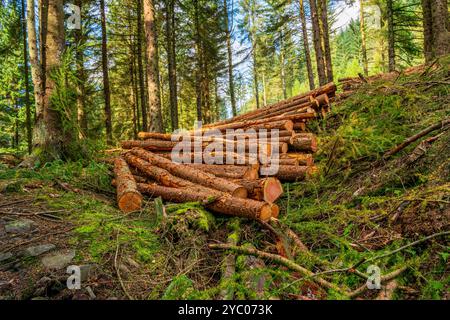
360,211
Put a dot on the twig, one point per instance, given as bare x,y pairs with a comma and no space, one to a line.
407,142
385,278
12,203
117,269
281,260
408,245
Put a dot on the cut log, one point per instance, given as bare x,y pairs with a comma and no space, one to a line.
329,89
163,145
191,174
155,173
229,171
155,135
300,126
306,142
224,204
302,158
268,189
294,173
129,198
321,100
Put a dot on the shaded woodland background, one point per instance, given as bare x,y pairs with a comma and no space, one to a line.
159,65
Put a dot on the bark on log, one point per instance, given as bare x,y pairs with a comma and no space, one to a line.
191,174
168,136
156,173
229,171
303,159
224,204
128,197
306,142
163,145
329,89
299,126
293,174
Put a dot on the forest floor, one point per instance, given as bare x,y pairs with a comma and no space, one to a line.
360,211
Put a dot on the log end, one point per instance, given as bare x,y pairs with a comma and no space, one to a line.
289,125
273,190
240,192
275,210
130,202
266,212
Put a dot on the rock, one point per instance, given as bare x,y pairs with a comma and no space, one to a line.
59,259
5,256
19,226
38,250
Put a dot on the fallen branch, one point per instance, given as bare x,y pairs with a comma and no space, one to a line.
280,260
407,142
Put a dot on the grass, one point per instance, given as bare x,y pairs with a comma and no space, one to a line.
343,215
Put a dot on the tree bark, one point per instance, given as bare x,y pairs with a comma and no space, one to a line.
363,38
282,66
172,67
325,32
27,82
152,67
294,173
253,41
306,46
391,36
230,59
191,174
225,204
81,75
139,57
306,142
439,11
317,43
106,89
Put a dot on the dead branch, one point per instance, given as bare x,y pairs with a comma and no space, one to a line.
407,142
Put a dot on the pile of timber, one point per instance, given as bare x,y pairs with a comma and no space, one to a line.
246,188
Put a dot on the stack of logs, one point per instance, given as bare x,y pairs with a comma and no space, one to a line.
242,189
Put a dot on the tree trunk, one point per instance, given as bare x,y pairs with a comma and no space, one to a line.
172,67
363,38
253,41
306,46
139,57
36,69
50,137
106,89
317,43
391,36
81,91
282,66
230,59
27,82
325,32
439,11
199,64
152,67
428,37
